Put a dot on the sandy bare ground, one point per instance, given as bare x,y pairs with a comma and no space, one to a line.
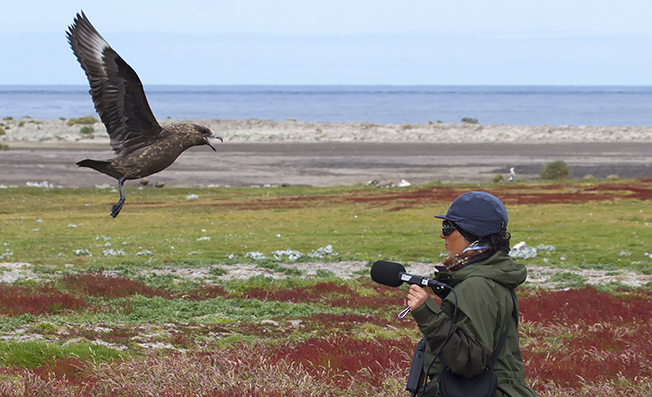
332,163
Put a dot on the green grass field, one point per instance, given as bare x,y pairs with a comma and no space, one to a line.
80,332
55,227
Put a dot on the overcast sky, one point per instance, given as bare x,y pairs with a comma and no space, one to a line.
458,42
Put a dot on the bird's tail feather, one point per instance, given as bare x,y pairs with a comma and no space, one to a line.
104,167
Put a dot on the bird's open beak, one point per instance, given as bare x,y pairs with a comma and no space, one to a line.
209,142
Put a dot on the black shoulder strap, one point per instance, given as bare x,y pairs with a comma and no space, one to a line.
501,344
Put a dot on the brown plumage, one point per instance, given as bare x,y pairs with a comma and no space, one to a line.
142,146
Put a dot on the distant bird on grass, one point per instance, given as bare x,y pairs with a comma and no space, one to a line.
142,146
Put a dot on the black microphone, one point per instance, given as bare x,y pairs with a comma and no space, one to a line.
393,274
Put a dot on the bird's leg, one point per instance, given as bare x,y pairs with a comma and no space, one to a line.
115,210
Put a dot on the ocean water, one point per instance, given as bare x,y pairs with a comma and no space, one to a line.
511,105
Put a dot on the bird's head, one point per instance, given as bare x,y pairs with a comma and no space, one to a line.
202,134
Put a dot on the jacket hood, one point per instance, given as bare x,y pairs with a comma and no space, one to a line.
499,268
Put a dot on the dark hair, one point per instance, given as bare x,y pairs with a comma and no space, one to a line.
468,236
497,242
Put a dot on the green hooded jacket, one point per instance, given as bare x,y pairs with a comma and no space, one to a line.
484,308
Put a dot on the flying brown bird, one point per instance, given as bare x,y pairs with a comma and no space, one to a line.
142,146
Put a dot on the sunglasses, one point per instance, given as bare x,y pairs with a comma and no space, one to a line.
447,228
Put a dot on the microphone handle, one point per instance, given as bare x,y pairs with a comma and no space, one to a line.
420,280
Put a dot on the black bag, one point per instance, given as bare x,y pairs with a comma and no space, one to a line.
483,385
417,378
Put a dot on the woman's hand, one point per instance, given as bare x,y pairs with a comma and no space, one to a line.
416,296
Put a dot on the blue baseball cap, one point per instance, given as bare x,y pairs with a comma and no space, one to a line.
478,213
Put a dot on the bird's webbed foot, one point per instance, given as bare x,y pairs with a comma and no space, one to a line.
115,210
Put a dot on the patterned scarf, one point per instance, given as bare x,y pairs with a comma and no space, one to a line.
456,262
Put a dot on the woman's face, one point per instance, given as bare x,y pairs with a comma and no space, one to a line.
455,243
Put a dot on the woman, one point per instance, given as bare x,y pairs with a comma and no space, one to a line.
483,277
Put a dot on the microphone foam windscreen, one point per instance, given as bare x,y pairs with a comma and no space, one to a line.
387,273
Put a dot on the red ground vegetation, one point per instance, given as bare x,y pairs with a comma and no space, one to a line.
109,286
569,339
402,198
16,300
68,368
517,194
585,306
587,336
348,357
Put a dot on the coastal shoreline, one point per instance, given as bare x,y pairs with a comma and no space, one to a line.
270,153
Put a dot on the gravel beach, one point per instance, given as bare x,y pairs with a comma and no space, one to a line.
240,131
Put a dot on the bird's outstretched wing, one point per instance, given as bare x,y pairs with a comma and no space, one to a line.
117,92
